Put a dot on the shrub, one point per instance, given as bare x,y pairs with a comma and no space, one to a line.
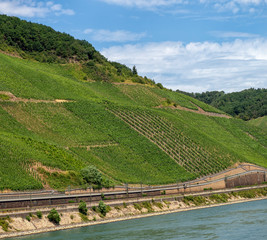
4,223
137,206
219,198
91,175
39,214
28,218
102,208
94,208
84,217
82,208
148,206
158,204
53,216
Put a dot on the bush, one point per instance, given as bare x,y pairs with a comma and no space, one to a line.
94,208
137,206
39,214
4,223
53,216
82,208
28,218
148,206
91,175
102,208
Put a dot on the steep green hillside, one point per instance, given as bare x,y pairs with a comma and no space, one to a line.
60,113
131,133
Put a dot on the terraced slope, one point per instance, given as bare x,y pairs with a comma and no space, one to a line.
120,129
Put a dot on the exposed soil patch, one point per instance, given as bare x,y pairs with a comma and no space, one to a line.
13,98
199,111
88,147
38,169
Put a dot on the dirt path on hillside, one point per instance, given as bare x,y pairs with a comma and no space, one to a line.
13,98
199,111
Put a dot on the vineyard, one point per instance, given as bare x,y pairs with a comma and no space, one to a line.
179,147
118,128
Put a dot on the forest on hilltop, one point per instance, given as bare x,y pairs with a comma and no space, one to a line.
247,104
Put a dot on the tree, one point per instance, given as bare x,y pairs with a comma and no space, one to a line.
134,70
82,208
91,175
53,216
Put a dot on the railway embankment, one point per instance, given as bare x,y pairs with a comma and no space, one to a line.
36,220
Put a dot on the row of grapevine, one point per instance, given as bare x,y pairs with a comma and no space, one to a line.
171,140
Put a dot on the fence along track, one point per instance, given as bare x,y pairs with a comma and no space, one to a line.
123,192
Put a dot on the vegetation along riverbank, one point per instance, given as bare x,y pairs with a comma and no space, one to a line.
44,220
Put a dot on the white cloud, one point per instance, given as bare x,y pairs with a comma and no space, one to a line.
234,6
32,8
198,66
113,36
144,3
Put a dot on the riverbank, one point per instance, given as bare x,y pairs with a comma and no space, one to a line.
20,226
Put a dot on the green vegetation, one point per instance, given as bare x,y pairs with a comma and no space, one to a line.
219,198
83,208
146,205
54,216
260,122
224,197
4,223
106,133
197,200
39,214
84,217
42,43
103,208
28,218
247,104
4,97
94,178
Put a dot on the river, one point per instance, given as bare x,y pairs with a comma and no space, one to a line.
246,220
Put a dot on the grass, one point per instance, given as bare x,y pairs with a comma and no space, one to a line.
260,122
4,97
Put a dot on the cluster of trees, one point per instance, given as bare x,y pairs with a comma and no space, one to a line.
247,104
43,43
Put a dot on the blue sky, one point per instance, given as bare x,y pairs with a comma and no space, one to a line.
195,46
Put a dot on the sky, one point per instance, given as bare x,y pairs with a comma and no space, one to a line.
190,45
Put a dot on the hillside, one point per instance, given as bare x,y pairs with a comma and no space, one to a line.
54,124
260,122
247,104
41,43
